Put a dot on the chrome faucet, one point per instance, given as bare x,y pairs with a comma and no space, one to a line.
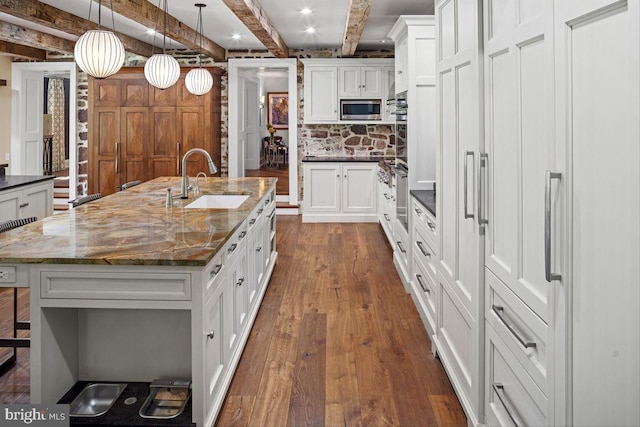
184,185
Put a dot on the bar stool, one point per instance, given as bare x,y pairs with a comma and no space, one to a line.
15,342
86,199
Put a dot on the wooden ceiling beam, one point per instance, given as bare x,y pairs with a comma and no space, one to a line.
25,36
23,51
358,14
51,17
150,16
253,16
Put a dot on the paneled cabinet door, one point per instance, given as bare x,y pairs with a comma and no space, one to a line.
214,358
597,82
105,134
402,80
193,133
164,146
359,188
134,139
320,94
360,82
322,187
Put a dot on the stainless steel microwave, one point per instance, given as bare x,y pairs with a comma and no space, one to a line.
360,109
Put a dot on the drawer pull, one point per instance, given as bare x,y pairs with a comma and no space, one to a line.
216,270
387,217
431,226
499,311
233,247
386,196
240,281
241,236
418,211
253,221
24,205
422,249
211,334
260,211
402,249
511,411
422,285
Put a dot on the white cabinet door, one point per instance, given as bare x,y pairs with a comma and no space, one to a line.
402,81
37,200
597,86
320,94
360,82
10,204
349,82
255,260
459,135
214,358
237,285
389,89
359,188
322,186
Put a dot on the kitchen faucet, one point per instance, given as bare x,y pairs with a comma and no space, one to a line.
184,185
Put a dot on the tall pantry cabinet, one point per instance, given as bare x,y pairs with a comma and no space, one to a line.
139,132
558,196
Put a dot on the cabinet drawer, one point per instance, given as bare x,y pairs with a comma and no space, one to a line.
422,247
131,286
215,270
235,243
426,285
402,244
524,333
512,396
422,216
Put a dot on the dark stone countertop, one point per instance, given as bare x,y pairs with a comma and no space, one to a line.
343,159
12,181
427,198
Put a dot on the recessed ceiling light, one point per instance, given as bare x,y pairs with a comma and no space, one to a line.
310,30
236,36
305,11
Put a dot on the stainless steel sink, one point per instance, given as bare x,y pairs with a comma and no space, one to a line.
95,399
218,201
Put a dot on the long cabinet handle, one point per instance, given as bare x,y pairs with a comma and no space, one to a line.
422,285
511,411
484,163
466,182
547,226
178,158
117,150
499,311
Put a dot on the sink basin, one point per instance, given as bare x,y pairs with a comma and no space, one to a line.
95,399
218,201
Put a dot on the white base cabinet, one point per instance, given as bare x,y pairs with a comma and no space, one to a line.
340,192
387,207
27,201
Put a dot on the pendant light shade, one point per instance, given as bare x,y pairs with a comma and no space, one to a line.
162,70
198,81
99,53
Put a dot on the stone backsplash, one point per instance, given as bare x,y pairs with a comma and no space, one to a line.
347,140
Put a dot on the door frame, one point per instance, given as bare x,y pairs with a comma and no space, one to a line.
234,162
17,68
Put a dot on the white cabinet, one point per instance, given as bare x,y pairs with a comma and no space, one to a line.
388,82
460,325
215,359
342,192
27,201
360,82
424,258
415,49
326,81
320,94
387,207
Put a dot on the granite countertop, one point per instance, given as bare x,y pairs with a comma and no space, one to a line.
427,198
343,159
11,181
134,227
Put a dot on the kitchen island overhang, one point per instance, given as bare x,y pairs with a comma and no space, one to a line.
126,289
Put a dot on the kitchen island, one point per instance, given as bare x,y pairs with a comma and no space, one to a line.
127,289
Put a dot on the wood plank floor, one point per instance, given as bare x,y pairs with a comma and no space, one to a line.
282,173
336,342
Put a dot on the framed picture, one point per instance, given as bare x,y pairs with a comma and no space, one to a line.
278,109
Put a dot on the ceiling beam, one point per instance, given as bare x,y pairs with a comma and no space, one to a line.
147,14
25,36
253,16
23,51
51,17
358,14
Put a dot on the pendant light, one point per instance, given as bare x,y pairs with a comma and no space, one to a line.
199,81
162,70
99,53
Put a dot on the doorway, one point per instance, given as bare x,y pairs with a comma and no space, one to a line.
27,122
251,81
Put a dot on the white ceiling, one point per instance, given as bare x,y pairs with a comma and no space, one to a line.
328,17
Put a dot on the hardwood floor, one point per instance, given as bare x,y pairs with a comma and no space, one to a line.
337,341
282,173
